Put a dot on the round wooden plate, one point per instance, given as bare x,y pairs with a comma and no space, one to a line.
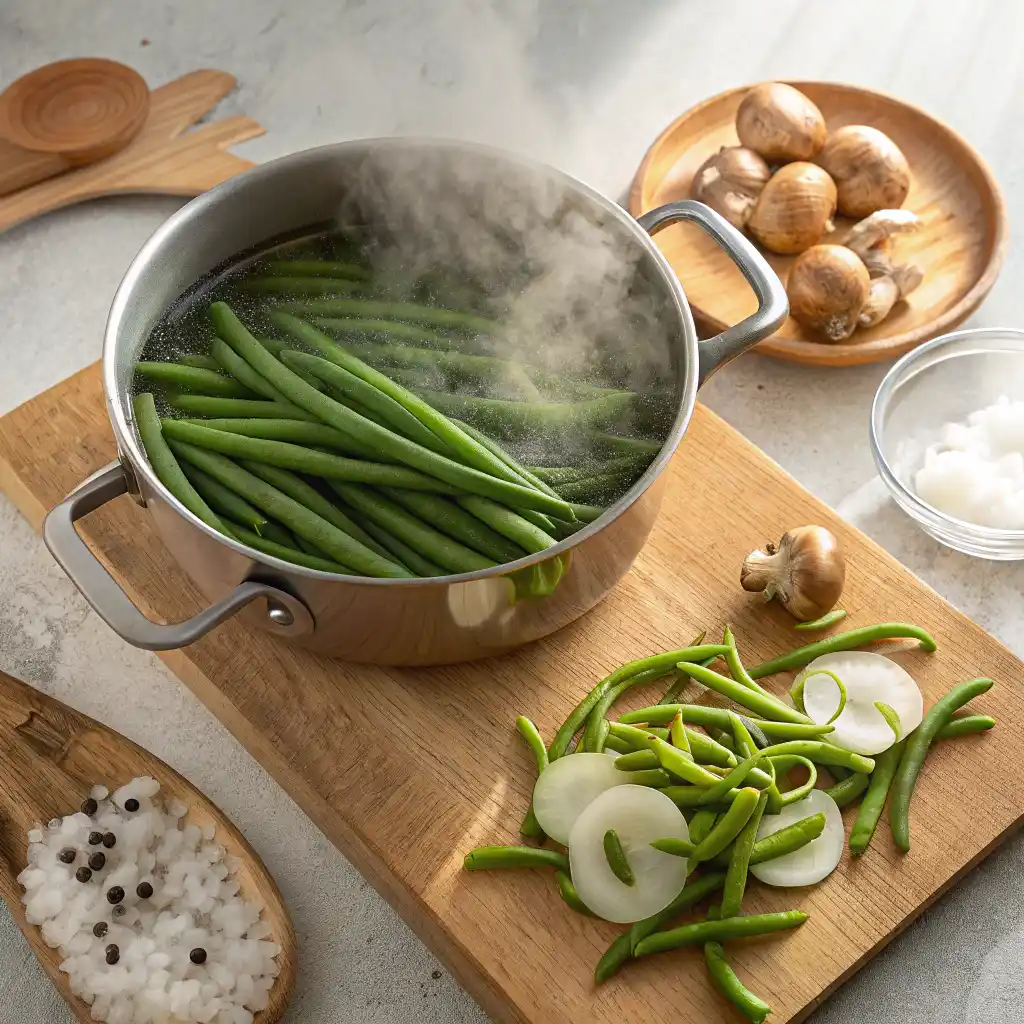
960,246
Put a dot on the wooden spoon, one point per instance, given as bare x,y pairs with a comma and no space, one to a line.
50,757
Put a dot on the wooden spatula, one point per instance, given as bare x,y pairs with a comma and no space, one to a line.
50,756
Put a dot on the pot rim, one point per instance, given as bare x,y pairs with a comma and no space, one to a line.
130,448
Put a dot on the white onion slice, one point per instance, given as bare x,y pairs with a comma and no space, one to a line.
868,678
813,862
612,753
639,815
567,786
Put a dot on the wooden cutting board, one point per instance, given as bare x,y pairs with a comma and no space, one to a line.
405,770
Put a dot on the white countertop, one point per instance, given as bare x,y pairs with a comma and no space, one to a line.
584,85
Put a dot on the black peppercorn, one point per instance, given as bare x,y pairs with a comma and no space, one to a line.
67,856
110,840
95,838
198,955
83,874
115,894
143,890
113,953
99,929
131,804
90,807
96,861
120,910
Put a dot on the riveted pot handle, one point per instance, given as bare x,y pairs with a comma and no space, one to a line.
287,615
772,304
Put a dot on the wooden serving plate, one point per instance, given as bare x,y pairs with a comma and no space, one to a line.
50,756
405,770
960,246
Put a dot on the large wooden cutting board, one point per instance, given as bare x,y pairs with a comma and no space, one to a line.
405,770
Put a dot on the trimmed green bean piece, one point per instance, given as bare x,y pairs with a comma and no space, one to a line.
739,862
223,500
235,365
847,790
706,750
290,554
826,621
614,743
203,362
486,857
753,1007
507,523
766,706
316,268
569,894
735,664
821,752
247,408
637,760
302,460
399,550
531,827
873,804
745,745
389,443
718,718
616,857
594,732
192,378
916,750
734,779
790,796
842,642
299,285
621,949
329,539
675,847
788,839
166,466
431,543
966,725
729,824
303,432
656,778
297,488
671,759
720,931
374,309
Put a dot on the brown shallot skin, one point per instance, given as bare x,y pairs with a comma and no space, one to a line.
794,209
780,123
869,169
828,287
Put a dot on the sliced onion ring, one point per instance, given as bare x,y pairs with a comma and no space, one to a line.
639,815
813,862
567,786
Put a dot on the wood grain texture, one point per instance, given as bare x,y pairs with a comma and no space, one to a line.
163,158
961,244
50,756
405,770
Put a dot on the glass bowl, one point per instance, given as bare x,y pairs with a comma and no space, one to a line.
941,382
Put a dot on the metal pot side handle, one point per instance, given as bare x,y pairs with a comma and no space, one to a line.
772,304
286,614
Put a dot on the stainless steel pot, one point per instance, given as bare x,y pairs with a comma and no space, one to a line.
411,622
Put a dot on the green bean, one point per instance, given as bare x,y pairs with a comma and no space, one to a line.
399,550
729,824
235,365
745,745
457,523
434,545
298,285
966,725
842,642
627,734
522,473
720,931
708,751
873,804
302,460
530,826
316,268
329,539
679,737
277,346
672,760
604,487
916,749
718,718
624,464
507,523
192,378
847,790
586,513
753,1007
291,554
248,408
715,793
619,746
301,432
616,857
701,823
486,857
375,309
592,741
821,752
824,622
223,500
735,664
675,847
391,329
569,894
393,445
766,706
788,839
615,445
297,489
202,362
389,413
621,949
655,778
166,466
637,760
739,862
790,796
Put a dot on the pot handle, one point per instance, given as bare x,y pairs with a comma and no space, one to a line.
287,614
772,303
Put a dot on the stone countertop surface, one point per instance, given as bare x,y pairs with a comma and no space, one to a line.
585,85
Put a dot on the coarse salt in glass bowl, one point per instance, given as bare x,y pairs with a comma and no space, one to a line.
943,382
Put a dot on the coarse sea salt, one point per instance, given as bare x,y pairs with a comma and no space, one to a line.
975,471
133,959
